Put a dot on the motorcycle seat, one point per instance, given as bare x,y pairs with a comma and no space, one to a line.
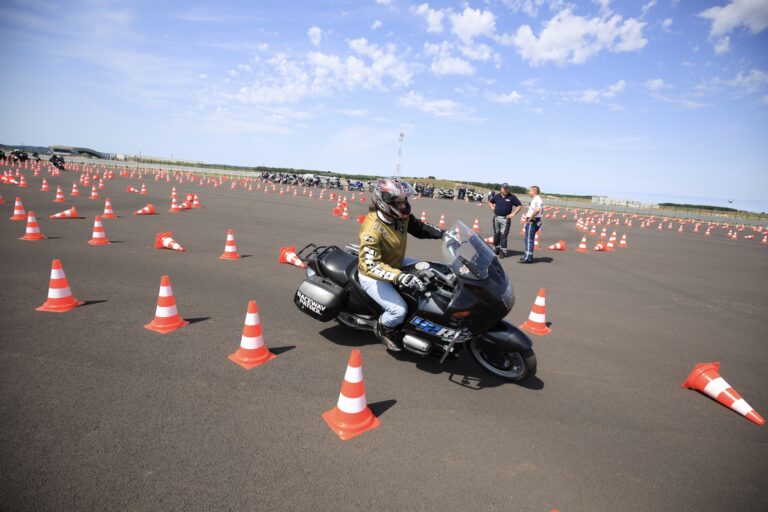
336,266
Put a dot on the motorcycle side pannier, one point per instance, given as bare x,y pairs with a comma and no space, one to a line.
320,298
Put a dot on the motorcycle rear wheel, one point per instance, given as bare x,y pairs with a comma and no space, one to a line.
512,366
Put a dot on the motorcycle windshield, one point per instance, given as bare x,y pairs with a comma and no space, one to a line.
467,254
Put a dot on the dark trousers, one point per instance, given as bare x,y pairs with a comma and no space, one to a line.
501,227
531,228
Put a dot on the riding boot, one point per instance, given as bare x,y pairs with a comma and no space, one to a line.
390,336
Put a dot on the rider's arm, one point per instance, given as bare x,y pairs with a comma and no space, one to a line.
423,230
370,263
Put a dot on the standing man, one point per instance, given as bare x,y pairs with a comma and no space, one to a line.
505,206
532,224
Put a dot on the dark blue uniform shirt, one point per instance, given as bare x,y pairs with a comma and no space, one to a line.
502,206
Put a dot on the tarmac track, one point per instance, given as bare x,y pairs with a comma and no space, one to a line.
98,413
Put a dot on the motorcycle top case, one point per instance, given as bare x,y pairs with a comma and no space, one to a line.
320,298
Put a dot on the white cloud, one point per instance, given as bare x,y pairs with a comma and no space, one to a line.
682,102
753,81
666,24
568,38
437,108
597,95
443,63
433,17
505,99
315,35
647,7
383,2
753,14
655,84
477,51
723,45
531,7
472,23
376,25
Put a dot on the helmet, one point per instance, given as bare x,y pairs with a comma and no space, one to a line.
387,192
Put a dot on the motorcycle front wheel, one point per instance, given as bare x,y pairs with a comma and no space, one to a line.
513,366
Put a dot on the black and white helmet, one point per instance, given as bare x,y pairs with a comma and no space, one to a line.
390,195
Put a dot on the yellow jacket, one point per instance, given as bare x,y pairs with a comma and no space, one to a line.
383,244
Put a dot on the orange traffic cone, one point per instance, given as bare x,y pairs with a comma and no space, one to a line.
441,224
108,212
75,191
423,216
99,237
165,240
582,245
174,206
288,255
94,194
59,195
23,182
60,297
557,246
147,210
352,416
44,186
143,189
537,319
18,210
488,240
345,214
167,318
600,247
66,214
609,247
252,351
476,226
196,202
623,241
230,249
33,229
360,219
705,378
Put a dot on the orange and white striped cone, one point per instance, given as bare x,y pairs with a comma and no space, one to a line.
196,202
252,352
131,189
476,226
623,241
2,201
99,237
288,256
32,233
557,246
44,187
582,245
108,212
441,224
600,247
603,234
537,319
167,318
609,247
147,210
488,240
18,210
94,194
71,213
423,216
705,378
59,195
536,241
143,189
345,214
174,206
60,297
764,241
23,182
230,249
165,240
174,194
352,416
75,191
360,219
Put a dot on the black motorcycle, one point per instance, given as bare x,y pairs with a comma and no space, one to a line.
58,162
462,305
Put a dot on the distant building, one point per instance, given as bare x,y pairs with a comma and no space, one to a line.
608,201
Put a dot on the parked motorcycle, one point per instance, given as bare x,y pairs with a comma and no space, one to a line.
461,307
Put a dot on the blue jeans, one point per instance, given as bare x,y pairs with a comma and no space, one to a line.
386,295
531,228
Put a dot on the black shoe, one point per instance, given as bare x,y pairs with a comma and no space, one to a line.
523,260
497,250
390,337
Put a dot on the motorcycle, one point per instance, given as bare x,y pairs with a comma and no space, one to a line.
445,193
58,162
461,307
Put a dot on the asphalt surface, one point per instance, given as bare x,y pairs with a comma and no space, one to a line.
98,413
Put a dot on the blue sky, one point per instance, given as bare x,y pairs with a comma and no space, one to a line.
649,100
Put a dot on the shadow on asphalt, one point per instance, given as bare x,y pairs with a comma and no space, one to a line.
545,259
197,319
281,350
347,337
381,407
89,302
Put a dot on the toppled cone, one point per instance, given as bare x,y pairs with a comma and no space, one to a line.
557,246
288,255
147,210
352,416
167,318
537,319
252,352
165,240
60,297
66,214
705,378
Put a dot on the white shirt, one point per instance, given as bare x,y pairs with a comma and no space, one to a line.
536,204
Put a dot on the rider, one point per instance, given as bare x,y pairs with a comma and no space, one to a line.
383,239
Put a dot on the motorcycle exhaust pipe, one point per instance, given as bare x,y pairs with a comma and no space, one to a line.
417,345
